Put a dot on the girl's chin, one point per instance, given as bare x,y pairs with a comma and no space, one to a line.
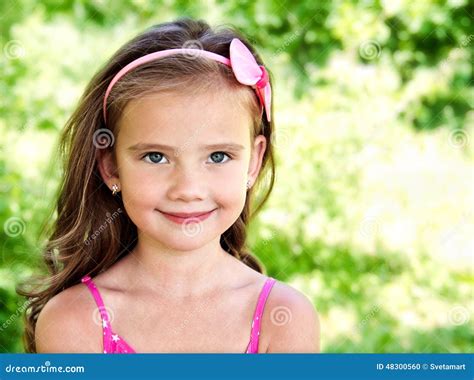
184,244
183,239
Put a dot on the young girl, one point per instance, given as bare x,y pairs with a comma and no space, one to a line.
147,250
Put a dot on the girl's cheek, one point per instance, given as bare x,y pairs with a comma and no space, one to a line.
137,182
147,184
231,179
230,187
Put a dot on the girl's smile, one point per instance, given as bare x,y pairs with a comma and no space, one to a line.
181,218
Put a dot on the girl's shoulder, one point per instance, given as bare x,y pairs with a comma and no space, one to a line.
69,322
291,321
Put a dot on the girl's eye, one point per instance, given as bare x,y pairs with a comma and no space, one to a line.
218,157
153,157
156,157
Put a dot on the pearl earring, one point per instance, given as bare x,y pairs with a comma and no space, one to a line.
248,184
115,189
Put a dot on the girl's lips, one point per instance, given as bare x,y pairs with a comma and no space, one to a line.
183,218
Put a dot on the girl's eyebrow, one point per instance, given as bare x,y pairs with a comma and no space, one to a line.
223,146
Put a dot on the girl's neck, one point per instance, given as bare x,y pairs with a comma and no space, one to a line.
178,274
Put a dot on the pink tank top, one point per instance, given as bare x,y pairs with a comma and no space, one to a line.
114,344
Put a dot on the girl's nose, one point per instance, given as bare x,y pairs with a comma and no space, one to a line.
187,185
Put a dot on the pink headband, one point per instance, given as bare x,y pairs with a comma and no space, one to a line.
243,64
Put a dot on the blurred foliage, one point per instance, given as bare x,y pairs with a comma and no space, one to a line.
372,211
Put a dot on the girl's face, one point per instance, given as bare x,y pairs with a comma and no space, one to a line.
182,154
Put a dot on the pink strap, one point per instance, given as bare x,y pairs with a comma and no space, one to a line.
106,328
256,322
257,318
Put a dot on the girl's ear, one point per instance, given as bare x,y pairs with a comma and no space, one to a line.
256,158
108,168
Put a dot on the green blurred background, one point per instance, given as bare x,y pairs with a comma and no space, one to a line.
372,212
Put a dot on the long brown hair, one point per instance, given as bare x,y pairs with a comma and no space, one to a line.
85,204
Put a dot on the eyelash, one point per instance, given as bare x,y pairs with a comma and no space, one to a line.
230,156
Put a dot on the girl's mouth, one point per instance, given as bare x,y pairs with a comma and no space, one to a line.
187,217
